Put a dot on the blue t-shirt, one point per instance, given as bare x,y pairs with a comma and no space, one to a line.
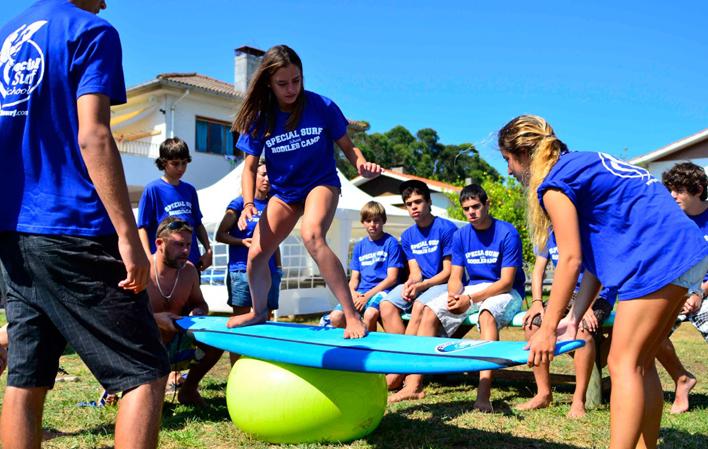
301,159
161,199
50,55
238,254
702,221
484,253
634,237
373,258
606,293
428,246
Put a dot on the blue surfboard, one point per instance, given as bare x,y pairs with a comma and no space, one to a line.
326,347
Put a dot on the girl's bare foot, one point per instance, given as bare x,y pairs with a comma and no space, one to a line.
577,410
537,402
246,319
684,385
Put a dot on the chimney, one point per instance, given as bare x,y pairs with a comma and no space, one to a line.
246,61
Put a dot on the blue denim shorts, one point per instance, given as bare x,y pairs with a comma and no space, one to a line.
693,278
240,293
64,289
373,302
395,298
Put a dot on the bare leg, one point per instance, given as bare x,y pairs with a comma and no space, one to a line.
488,331
189,392
238,310
320,206
391,318
413,385
336,317
584,360
371,319
640,326
139,415
21,420
684,380
542,376
275,224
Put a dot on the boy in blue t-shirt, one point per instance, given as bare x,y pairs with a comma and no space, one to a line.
688,184
489,252
428,247
376,262
168,196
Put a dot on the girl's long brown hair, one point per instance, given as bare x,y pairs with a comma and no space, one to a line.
533,136
258,112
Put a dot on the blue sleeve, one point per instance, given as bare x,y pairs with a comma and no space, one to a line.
236,205
405,244
541,252
146,209
458,252
250,145
512,256
354,264
446,239
97,65
196,211
395,256
336,122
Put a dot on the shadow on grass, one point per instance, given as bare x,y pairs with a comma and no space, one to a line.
436,431
678,439
176,416
697,400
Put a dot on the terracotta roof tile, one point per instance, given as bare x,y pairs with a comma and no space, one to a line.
201,82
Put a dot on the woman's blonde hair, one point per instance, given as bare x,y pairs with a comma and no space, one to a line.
533,136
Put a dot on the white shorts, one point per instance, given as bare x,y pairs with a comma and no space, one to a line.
502,307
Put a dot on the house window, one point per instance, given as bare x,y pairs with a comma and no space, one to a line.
214,136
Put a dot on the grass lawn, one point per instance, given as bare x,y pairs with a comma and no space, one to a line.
443,419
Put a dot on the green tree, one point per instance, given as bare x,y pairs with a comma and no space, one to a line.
507,201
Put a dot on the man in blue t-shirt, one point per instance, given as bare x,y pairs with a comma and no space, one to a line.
688,184
376,261
74,266
489,252
428,247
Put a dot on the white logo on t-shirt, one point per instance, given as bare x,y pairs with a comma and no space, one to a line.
20,77
623,169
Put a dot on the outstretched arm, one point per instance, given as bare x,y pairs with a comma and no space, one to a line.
364,168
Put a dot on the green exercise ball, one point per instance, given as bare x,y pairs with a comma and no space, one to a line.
284,403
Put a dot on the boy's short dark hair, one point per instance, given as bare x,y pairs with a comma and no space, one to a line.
170,225
687,176
371,210
473,192
408,188
171,149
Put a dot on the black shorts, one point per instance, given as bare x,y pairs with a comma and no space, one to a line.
65,289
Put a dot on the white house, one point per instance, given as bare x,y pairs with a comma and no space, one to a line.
693,148
194,107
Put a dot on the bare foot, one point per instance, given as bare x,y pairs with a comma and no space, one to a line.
577,410
246,319
684,385
536,402
406,394
394,381
354,329
483,406
190,396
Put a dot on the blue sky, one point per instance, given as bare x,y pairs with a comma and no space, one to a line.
608,75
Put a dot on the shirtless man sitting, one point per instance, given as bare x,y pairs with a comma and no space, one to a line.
174,291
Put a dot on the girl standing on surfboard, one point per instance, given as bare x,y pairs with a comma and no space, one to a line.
296,130
610,217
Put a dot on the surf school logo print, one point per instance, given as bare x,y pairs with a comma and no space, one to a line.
21,68
623,169
294,140
455,346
